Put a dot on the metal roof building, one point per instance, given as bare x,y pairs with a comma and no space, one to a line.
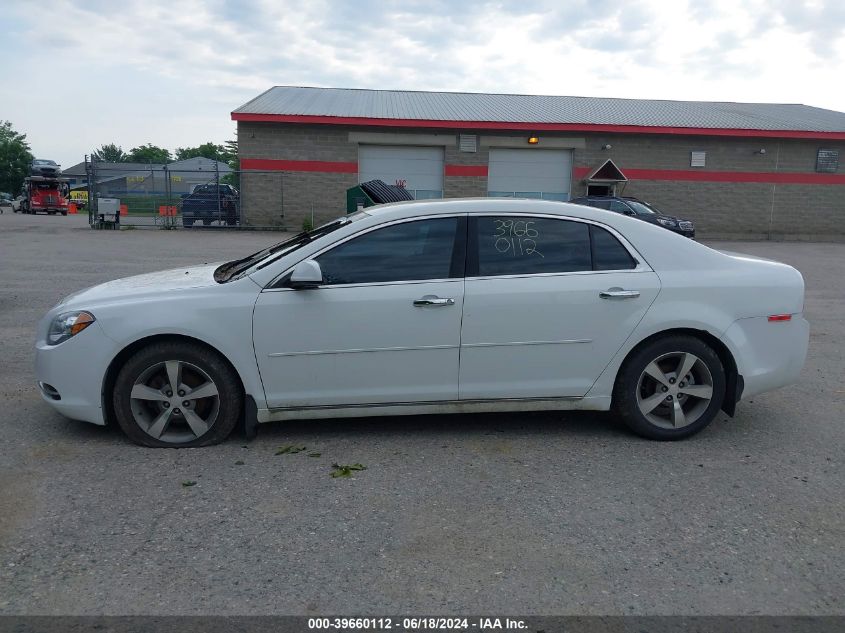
459,144
460,109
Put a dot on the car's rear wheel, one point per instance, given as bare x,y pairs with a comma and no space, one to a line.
177,394
671,388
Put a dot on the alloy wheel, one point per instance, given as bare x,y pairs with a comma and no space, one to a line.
175,401
674,390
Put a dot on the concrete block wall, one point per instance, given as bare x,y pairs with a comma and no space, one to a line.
720,209
286,198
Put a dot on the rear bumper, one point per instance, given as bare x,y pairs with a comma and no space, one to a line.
768,354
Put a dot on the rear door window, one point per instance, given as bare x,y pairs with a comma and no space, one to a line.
525,245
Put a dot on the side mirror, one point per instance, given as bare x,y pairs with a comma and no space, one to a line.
306,275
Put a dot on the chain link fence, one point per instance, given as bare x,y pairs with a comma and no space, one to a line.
203,194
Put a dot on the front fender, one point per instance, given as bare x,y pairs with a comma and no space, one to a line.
222,320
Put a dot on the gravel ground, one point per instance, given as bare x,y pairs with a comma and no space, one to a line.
548,513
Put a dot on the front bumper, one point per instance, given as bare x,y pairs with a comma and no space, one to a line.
74,372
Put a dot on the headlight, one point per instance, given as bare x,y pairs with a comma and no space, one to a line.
668,223
68,324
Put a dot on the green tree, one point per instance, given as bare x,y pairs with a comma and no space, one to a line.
230,157
110,153
209,150
149,153
15,158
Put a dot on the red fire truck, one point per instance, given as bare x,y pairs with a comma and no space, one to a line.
44,193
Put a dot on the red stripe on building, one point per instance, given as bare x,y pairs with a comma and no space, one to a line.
532,127
267,164
466,170
781,178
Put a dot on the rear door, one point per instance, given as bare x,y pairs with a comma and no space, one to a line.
547,303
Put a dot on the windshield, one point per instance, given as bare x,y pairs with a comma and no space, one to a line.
43,162
266,256
641,208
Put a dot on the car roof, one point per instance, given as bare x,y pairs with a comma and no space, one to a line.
409,208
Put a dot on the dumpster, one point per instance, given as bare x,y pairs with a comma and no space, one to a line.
374,192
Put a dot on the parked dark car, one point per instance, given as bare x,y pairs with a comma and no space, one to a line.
209,203
640,210
44,167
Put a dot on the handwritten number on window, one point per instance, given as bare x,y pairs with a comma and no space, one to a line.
517,237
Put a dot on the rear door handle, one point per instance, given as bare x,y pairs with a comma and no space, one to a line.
618,293
433,300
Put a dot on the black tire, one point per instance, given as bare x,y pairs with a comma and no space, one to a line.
206,222
195,359
634,387
187,223
64,212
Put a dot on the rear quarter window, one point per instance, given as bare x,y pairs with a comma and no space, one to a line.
608,252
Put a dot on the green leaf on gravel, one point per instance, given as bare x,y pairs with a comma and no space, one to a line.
345,470
314,454
188,484
290,449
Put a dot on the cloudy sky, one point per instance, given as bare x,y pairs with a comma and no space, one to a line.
77,74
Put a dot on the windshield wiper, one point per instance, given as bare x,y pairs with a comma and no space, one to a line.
230,269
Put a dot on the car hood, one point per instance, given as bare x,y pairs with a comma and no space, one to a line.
145,285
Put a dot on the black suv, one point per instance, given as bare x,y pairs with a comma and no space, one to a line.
640,210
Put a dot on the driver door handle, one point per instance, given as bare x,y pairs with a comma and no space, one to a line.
433,300
618,293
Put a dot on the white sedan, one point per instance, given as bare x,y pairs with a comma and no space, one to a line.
449,306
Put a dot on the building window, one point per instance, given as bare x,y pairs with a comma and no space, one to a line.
697,159
827,160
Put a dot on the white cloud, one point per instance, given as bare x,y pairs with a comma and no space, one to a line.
171,72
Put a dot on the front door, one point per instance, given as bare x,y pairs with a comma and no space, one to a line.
548,302
383,328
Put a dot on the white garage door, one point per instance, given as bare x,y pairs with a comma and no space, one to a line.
418,169
530,173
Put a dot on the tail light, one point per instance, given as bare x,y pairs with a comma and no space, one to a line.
780,317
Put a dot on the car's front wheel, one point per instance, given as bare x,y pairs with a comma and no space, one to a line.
671,388
177,394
